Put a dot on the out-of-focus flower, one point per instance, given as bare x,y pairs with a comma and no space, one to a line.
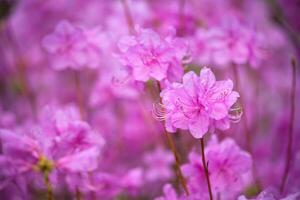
61,143
110,88
227,164
169,193
198,103
74,47
149,55
272,195
7,119
132,180
230,44
159,163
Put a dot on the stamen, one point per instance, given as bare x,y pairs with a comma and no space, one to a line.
158,111
235,114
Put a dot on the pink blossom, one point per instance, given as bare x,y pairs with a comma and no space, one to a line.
74,47
232,43
159,165
271,194
149,55
227,164
132,180
71,146
198,103
114,87
169,193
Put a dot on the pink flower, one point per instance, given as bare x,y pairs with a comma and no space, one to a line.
159,165
169,193
149,55
272,194
198,103
132,180
62,142
111,87
74,47
227,164
234,43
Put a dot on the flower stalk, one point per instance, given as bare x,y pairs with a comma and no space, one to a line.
48,186
128,16
205,166
245,125
291,127
79,94
177,163
176,157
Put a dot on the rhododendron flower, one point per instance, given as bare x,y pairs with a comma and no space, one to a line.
169,193
199,102
116,61
149,55
74,47
270,194
230,44
159,163
66,144
108,88
227,166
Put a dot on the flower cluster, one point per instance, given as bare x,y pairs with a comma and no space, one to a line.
198,103
145,99
74,47
149,55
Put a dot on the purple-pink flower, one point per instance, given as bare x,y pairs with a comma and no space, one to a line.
198,103
228,167
148,55
74,47
233,43
169,193
60,142
159,165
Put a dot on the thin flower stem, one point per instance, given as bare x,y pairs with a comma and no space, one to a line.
181,17
244,117
21,69
48,186
128,16
93,193
177,163
204,163
79,94
176,156
78,194
291,126
245,124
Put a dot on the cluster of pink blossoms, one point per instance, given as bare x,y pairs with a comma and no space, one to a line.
148,99
233,44
199,103
62,144
149,55
74,47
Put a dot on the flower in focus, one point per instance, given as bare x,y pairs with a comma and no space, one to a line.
227,165
198,103
73,46
149,55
